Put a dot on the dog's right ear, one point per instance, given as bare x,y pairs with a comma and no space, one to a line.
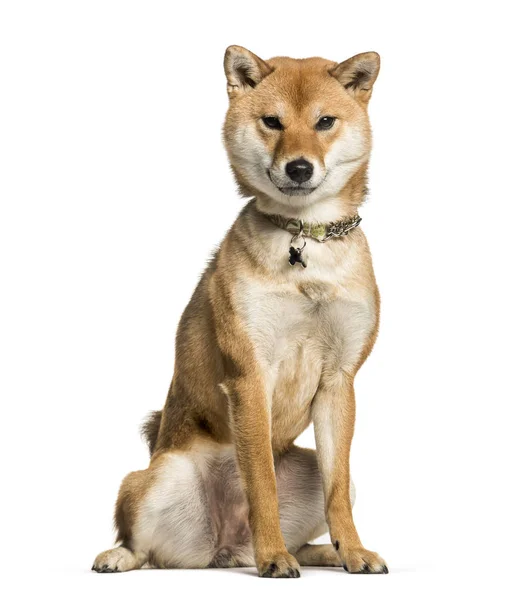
244,70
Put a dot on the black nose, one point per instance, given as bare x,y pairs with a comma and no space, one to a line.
299,170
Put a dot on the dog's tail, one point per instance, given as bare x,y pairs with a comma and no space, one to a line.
149,430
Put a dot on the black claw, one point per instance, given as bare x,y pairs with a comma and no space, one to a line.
273,571
336,545
106,569
270,570
385,569
365,568
346,568
93,568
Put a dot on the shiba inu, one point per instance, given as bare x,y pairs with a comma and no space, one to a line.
281,321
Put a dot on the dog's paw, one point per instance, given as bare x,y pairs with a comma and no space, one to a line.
116,560
359,560
279,565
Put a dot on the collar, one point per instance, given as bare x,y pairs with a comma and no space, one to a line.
321,232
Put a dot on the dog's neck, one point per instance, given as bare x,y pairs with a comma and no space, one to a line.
342,206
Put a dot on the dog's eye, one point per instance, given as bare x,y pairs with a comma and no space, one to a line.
272,123
325,123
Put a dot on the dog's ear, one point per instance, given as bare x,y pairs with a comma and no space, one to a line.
358,74
244,70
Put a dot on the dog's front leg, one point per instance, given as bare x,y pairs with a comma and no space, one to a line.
251,427
334,416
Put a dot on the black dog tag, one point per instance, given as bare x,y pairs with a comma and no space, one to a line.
296,256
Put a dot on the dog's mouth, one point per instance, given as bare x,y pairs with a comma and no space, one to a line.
296,190
293,190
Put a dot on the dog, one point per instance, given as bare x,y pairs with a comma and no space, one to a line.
281,321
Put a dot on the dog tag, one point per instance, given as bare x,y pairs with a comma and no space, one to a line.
296,256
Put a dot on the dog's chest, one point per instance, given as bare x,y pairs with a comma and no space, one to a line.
302,332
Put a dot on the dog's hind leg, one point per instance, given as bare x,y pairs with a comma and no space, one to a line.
163,514
118,560
125,557
318,555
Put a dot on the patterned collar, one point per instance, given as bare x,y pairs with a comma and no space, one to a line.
321,232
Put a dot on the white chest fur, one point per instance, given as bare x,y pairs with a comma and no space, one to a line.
308,325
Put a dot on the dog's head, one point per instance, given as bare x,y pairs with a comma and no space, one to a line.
296,131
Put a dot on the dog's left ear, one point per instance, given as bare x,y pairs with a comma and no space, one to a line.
358,74
244,70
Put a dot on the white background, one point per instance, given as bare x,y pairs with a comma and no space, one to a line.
114,191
